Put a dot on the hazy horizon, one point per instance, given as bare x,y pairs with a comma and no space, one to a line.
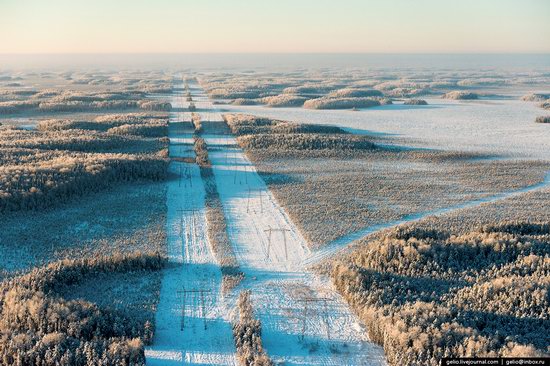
274,61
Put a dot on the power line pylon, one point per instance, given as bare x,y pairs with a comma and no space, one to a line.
260,191
308,300
185,176
192,294
269,232
186,234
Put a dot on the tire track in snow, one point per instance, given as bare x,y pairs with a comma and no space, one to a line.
191,265
279,284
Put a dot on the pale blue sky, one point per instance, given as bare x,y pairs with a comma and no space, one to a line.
75,26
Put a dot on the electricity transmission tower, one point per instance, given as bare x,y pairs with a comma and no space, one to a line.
312,300
239,173
192,295
185,176
260,191
269,232
188,231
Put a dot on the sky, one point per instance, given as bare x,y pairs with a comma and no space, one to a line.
274,26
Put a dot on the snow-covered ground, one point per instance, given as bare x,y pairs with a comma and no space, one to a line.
496,126
503,126
304,322
192,267
343,242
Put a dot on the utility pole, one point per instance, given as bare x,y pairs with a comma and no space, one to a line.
250,190
311,300
185,171
189,175
270,231
193,293
188,229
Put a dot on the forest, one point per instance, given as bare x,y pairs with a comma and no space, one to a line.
427,294
66,158
62,305
40,327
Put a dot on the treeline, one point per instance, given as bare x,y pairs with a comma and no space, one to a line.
242,101
217,226
135,130
17,106
460,95
73,140
283,100
38,327
247,332
14,107
201,152
415,102
303,141
235,93
82,106
263,133
243,124
153,105
341,103
151,129
104,122
56,101
355,93
256,88
34,186
197,123
428,294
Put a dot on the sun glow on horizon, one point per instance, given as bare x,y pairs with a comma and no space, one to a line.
169,26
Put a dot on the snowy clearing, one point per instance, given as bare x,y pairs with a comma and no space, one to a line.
184,340
498,126
304,322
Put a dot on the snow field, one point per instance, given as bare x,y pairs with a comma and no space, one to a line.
273,267
492,126
191,267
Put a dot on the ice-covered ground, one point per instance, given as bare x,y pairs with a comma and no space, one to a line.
203,335
304,322
496,126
